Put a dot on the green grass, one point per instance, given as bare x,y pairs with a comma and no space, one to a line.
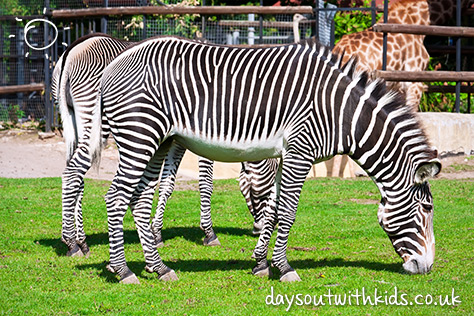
335,245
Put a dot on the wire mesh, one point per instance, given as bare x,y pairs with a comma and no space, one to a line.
20,65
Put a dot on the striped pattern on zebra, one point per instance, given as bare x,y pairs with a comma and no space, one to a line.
256,183
74,87
296,102
78,72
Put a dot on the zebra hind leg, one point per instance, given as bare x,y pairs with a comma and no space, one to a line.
73,234
141,206
168,179
80,234
206,173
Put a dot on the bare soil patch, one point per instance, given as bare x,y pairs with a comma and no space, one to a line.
24,155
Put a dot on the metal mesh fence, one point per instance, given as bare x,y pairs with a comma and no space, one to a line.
230,30
20,65
82,4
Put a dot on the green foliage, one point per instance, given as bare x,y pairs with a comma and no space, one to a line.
335,245
11,113
443,102
21,7
352,22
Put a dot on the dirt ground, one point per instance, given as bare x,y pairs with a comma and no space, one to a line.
24,155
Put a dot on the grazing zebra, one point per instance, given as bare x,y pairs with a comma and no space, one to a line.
233,104
74,87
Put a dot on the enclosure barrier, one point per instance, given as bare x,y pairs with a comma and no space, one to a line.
175,9
425,30
457,32
22,88
425,76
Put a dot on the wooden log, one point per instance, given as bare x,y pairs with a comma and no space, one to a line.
426,76
22,88
448,89
447,49
266,24
177,9
433,30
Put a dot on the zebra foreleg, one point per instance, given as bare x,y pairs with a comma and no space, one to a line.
168,179
294,173
271,219
206,173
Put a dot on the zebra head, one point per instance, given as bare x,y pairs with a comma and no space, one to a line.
407,218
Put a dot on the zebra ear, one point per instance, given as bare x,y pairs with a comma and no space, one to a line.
427,170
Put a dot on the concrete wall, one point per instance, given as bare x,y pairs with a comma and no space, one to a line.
448,132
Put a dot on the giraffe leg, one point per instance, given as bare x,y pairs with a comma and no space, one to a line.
414,92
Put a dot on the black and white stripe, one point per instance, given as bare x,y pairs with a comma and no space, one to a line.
235,104
74,87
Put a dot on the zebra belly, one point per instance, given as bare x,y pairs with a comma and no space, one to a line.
232,151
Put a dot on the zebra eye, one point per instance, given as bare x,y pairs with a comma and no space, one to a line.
427,207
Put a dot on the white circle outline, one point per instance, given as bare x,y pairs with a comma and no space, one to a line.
28,27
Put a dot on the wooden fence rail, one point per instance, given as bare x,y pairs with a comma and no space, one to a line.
175,9
426,76
433,30
22,88
448,89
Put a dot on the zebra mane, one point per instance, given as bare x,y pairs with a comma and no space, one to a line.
391,100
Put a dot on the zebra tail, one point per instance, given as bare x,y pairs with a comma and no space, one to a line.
96,143
60,93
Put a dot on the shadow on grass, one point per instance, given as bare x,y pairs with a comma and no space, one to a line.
245,266
192,234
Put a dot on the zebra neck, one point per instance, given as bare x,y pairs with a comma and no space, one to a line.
389,144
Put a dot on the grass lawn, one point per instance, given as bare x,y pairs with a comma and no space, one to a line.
336,245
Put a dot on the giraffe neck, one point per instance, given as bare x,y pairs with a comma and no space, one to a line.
424,12
410,12
443,10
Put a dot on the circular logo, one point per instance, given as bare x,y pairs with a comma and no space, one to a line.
29,26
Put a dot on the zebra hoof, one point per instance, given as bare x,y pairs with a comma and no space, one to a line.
211,242
75,251
85,249
130,279
257,228
265,272
169,276
291,276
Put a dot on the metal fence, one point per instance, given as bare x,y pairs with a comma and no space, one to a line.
20,65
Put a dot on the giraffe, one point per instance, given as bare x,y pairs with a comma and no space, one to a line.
404,51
